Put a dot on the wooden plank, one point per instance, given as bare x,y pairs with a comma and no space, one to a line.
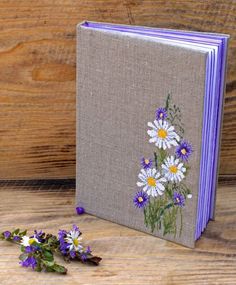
129,256
37,74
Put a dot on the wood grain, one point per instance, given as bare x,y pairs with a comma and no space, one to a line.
37,74
129,256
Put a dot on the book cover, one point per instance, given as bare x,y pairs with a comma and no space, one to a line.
149,112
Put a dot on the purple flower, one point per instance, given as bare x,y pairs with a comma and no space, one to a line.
88,250
80,210
161,114
16,238
178,199
83,257
75,228
62,234
29,262
72,254
140,199
63,244
7,234
67,240
30,249
184,150
146,163
39,236
64,248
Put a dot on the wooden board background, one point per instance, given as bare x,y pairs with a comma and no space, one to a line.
37,74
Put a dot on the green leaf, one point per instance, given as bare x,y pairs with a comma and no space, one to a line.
38,268
155,159
23,256
23,233
22,248
48,263
16,232
59,269
168,102
48,255
174,116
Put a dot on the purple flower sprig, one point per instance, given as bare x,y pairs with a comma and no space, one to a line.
14,236
37,250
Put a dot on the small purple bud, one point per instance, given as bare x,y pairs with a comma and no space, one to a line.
7,234
75,228
16,238
80,210
88,250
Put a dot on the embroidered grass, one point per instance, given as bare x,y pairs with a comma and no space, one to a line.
162,181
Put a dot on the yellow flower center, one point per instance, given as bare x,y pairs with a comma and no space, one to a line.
140,199
31,241
151,182
76,242
183,151
162,133
173,169
146,161
161,115
177,199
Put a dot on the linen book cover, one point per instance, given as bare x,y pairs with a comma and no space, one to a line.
149,113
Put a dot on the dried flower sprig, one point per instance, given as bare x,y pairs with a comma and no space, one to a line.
37,250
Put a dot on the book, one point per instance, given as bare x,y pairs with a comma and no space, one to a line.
149,116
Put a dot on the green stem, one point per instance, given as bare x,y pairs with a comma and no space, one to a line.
155,158
163,210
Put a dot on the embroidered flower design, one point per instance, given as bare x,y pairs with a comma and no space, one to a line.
163,135
184,150
151,182
173,170
163,192
140,199
178,199
161,114
189,196
146,163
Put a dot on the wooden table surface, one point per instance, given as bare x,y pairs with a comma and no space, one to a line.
129,256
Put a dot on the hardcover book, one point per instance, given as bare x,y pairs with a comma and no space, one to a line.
149,114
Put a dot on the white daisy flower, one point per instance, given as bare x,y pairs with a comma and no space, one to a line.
151,181
73,240
173,170
163,135
189,196
27,241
